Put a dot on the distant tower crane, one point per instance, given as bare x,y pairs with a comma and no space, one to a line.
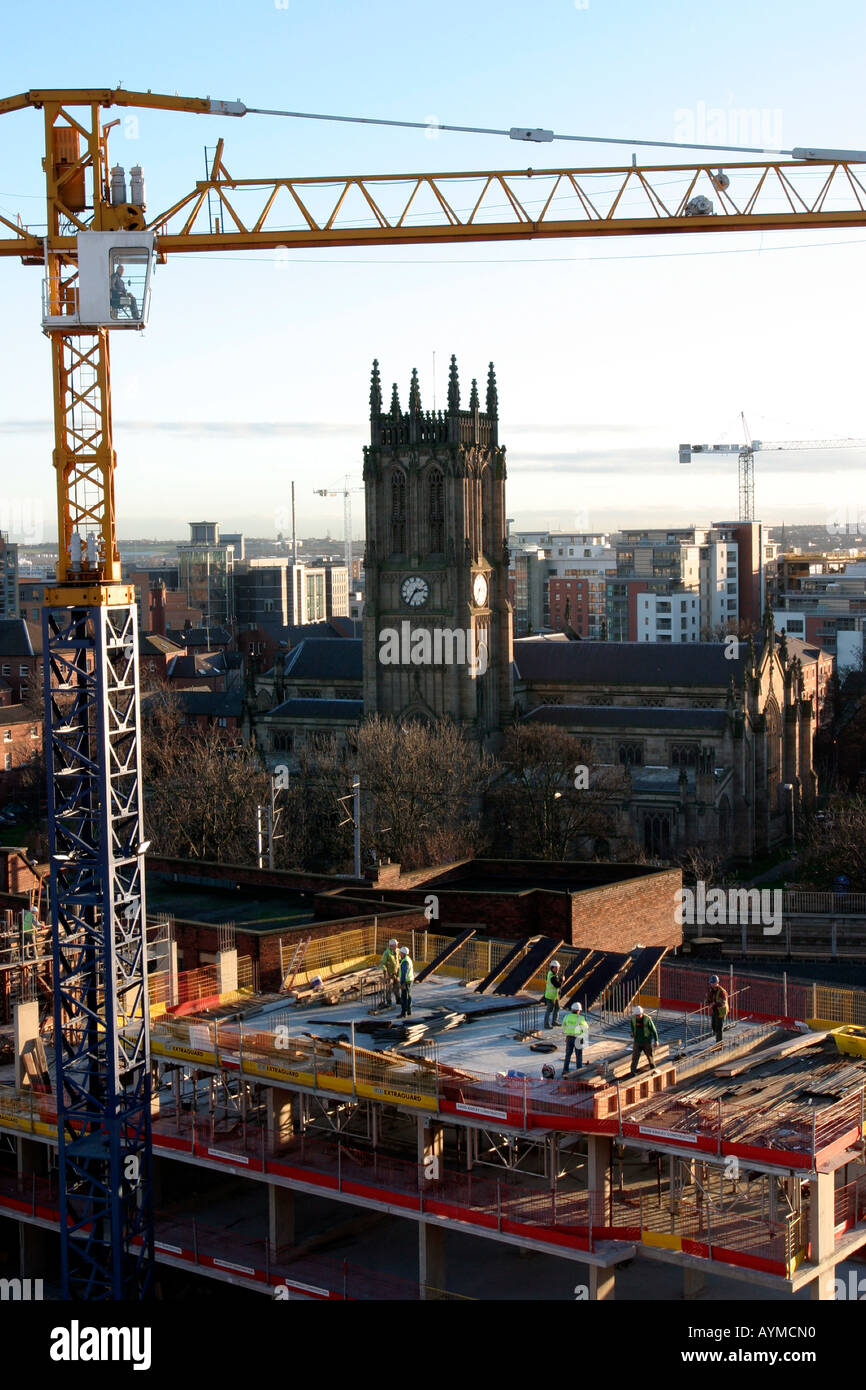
346,494
746,455
97,253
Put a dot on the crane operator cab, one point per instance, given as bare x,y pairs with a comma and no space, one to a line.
111,288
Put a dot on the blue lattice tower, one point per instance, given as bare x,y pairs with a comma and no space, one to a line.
101,1016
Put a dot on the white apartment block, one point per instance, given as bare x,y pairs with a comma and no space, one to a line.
668,617
8,577
719,585
563,545
701,559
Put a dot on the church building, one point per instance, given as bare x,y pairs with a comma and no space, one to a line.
437,618
714,739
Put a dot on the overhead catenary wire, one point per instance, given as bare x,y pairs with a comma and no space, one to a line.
538,135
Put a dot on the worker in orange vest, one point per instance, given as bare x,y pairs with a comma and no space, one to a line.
717,1002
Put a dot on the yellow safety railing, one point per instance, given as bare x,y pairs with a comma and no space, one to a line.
840,1005
246,974
475,959
330,955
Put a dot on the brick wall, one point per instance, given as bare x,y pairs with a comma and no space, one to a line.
510,915
18,745
241,875
609,916
16,876
538,873
20,672
618,916
15,902
193,938
637,908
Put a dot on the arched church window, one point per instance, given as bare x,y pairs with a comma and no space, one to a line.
683,755
657,834
398,512
486,490
630,754
436,511
724,824
774,752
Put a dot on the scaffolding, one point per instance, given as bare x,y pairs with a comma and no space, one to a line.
339,1100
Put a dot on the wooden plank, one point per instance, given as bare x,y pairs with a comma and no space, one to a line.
771,1054
445,954
602,975
580,967
642,966
505,964
541,951
620,1065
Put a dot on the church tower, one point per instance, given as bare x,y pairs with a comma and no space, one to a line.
437,618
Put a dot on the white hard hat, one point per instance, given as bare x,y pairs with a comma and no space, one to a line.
714,979
578,1008
554,965
393,941
638,1011
404,950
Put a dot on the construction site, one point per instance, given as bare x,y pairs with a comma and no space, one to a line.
241,1121
742,1159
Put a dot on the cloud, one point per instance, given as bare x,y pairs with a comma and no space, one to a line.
225,429
236,428
625,461
606,455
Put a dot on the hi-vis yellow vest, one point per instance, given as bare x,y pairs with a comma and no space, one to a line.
575,1025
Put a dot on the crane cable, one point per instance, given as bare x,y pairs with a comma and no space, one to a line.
541,136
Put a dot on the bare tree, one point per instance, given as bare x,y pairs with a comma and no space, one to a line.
833,842
630,852
423,787
698,866
200,788
551,796
314,827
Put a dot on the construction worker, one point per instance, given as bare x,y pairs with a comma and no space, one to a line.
120,295
407,975
645,1035
389,971
552,986
717,1001
576,1030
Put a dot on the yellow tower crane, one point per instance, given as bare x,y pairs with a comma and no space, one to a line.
96,256
746,455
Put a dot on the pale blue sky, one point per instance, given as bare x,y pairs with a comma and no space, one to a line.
608,353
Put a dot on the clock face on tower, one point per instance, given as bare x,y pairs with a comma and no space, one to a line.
479,590
414,591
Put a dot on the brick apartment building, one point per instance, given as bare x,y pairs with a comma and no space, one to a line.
20,745
20,655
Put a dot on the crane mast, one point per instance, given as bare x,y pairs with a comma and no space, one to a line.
346,493
93,756
92,733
